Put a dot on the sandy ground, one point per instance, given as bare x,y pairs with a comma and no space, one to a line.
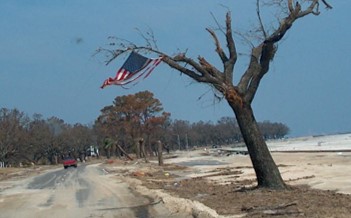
320,170
315,168
209,183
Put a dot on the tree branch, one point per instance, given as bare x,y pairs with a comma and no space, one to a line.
328,6
254,66
227,62
312,9
258,12
296,12
229,65
263,54
219,49
267,53
202,76
290,6
230,39
182,58
209,69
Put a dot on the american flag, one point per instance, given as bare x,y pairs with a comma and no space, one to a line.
135,67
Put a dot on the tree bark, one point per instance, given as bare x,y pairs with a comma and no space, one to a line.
159,149
267,172
108,153
137,150
142,147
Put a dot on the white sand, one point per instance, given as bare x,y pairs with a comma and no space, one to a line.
328,168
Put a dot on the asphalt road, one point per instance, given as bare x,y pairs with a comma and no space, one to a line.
86,191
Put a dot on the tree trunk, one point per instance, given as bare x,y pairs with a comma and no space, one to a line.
144,152
142,147
159,149
108,152
124,152
267,172
118,153
137,150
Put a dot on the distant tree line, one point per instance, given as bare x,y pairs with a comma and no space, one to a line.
26,140
38,140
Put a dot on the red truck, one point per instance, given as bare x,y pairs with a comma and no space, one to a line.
69,162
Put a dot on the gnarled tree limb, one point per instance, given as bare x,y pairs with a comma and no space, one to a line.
326,4
264,53
229,65
219,49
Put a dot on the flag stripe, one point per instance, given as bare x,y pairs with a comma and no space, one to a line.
154,65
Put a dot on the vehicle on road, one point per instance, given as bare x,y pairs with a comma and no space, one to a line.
69,162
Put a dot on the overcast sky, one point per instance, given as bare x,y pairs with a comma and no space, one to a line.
47,64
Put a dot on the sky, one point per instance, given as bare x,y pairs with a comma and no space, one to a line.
48,66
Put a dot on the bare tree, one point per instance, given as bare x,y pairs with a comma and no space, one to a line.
239,96
40,137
